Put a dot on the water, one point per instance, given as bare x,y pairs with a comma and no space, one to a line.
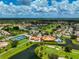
27,54
69,42
19,37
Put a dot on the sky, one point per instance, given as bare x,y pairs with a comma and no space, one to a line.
15,1
39,8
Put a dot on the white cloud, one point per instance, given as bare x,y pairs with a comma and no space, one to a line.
39,6
14,10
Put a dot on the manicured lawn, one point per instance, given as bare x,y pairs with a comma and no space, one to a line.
50,43
58,51
10,45
22,41
75,41
14,51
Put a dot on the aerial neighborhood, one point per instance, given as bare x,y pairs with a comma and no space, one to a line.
61,38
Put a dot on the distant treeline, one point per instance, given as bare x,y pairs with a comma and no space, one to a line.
35,20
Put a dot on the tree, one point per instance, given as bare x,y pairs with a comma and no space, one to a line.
73,36
7,28
41,48
14,43
27,44
58,26
71,58
68,48
52,56
40,55
30,42
16,28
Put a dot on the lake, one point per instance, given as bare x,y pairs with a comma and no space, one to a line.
26,54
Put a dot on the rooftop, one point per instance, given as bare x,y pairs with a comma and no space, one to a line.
3,44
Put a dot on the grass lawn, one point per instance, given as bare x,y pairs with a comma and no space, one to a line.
22,41
50,43
10,45
75,41
14,51
58,51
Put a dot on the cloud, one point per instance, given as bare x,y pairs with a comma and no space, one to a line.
39,6
13,9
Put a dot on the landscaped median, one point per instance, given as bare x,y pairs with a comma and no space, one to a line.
13,51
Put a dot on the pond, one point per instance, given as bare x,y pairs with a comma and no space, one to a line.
69,42
27,54
19,37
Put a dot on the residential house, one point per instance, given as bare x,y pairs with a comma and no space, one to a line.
42,38
3,44
48,38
